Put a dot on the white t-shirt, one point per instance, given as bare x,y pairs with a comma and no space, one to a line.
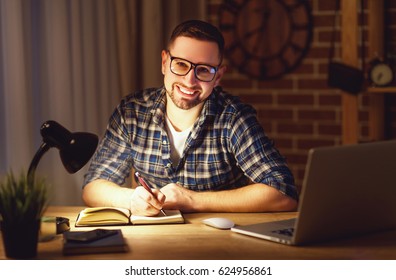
177,141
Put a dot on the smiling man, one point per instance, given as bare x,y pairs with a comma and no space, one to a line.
198,146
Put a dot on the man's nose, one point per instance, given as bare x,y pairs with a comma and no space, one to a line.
190,77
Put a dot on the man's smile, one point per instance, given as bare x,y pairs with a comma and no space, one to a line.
185,90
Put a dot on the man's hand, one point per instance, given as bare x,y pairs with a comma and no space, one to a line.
143,203
178,197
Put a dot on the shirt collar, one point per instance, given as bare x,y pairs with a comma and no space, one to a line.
158,109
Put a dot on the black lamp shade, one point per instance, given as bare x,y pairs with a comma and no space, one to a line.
79,151
75,149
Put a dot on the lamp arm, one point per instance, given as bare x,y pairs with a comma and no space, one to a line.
33,165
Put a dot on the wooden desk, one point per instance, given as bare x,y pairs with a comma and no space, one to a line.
194,240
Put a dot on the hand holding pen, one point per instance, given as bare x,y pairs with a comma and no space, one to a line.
146,186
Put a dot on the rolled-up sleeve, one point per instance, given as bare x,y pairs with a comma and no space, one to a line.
257,156
111,160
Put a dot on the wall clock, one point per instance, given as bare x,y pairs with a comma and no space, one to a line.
266,39
380,73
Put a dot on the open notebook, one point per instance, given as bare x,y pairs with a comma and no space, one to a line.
347,190
106,216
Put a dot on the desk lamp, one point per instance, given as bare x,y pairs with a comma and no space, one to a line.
75,150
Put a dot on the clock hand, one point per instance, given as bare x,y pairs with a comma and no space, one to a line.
266,14
252,32
260,30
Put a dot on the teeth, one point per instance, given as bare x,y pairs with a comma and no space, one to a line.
186,91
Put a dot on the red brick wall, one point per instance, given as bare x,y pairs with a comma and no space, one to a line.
299,111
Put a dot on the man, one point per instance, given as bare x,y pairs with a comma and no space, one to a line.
200,146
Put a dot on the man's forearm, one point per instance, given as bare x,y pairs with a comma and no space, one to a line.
104,193
251,198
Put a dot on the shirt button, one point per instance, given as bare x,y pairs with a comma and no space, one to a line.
168,165
164,142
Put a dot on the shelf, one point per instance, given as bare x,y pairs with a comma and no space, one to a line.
381,89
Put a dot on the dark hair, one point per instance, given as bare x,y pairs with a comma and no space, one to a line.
199,30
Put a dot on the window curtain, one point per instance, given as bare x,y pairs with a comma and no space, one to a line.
72,61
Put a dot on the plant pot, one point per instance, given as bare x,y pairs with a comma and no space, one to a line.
20,238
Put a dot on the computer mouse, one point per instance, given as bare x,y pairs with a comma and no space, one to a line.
220,223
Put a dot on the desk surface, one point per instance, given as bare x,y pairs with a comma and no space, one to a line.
193,240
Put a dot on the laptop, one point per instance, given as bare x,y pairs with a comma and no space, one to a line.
347,191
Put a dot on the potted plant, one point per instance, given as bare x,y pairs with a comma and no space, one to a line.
22,204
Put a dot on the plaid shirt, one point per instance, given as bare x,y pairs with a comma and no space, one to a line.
227,148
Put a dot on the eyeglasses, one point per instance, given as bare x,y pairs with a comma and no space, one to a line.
182,67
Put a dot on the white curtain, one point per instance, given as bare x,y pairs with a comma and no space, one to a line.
71,61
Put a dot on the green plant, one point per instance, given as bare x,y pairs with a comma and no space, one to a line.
20,200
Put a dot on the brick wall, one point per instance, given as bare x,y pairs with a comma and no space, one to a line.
299,111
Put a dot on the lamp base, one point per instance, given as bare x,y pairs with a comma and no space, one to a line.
51,226
62,225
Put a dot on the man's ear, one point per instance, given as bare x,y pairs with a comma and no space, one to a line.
164,56
220,72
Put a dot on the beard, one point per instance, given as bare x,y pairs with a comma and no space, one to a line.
183,103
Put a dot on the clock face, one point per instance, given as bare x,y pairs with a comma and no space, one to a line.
266,39
381,74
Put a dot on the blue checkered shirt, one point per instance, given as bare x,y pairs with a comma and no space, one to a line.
227,148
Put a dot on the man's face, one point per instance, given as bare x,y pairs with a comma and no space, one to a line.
187,91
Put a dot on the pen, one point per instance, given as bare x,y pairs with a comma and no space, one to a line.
146,186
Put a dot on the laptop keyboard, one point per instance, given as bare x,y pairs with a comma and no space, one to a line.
286,231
